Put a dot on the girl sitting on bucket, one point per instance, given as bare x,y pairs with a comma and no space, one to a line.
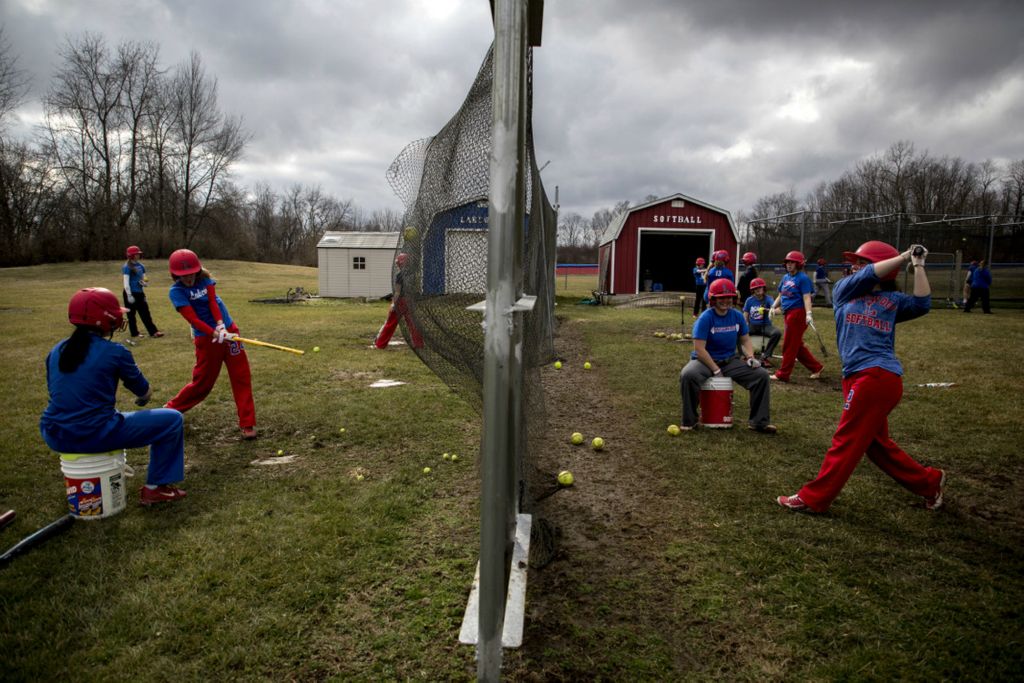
82,374
215,338
755,310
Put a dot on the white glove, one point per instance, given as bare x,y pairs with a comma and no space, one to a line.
219,333
771,312
918,254
753,362
230,336
129,298
809,319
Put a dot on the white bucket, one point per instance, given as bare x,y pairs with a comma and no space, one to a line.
95,483
716,403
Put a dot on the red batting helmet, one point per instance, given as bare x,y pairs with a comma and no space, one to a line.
720,255
748,259
184,262
757,282
96,307
132,251
874,251
796,257
701,262
822,262
721,288
401,260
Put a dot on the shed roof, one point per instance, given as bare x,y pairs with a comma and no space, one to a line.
611,233
359,240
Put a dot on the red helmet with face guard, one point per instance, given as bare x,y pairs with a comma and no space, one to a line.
720,255
701,262
96,307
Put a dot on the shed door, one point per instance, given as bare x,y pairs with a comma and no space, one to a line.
667,258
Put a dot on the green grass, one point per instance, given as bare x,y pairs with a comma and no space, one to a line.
299,572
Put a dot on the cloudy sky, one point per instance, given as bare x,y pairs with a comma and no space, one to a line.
722,100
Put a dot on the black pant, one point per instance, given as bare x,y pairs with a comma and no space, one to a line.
978,293
142,308
698,300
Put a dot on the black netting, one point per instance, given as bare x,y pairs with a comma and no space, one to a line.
443,182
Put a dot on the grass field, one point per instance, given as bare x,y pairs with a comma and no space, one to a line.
298,571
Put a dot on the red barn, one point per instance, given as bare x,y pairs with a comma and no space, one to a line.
659,242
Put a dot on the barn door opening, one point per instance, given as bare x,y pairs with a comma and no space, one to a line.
666,258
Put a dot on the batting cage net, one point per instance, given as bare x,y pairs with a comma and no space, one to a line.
443,182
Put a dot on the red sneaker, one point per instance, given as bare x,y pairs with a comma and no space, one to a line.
248,433
165,493
793,503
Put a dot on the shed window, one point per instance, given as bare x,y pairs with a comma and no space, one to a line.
358,263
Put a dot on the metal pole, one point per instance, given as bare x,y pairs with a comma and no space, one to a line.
991,242
899,225
499,321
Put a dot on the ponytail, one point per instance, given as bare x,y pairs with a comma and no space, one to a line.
75,349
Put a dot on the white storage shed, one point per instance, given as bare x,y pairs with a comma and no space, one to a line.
356,263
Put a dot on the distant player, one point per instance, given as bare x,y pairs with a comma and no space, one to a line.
82,376
718,270
214,333
868,306
755,310
135,281
967,282
699,284
822,283
715,336
743,286
980,283
795,302
399,308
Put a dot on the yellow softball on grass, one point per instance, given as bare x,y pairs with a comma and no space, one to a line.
587,366
360,477
597,444
455,458
674,430
558,365
446,456
426,470
577,438
565,478
280,452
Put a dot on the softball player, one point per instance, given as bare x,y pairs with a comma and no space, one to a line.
214,334
867,308
715,335
822,284
795,301
82,374
743,286
755,310
699,283
133,273
399,307
718,270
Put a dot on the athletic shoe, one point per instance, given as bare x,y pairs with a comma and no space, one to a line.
165,493
764,429
793,503
687,428
248,433
817,375
157,334
935,502
775,376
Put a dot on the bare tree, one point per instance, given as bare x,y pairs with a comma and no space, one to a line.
572,229
384,220
207,142
603,218
14,82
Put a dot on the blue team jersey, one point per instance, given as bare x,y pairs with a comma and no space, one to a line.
135,272
792,289
698,276
83,401
981,279
821,273
721,332
718,274
866,321
753,307
196,297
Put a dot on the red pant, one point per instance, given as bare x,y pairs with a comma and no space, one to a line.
209,357
793,348
398,308
868,398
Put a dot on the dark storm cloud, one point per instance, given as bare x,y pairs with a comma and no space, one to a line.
725,101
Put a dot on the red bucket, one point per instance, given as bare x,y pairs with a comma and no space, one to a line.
716,403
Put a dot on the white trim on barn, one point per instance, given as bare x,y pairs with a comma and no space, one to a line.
352,264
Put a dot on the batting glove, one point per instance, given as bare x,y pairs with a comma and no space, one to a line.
918,254
219,333
129,298
810,320
753,362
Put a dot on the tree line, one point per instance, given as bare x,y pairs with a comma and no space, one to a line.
132,152
901,190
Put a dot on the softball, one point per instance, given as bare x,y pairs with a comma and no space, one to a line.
426,470
577,438
316,349
673,430
410,233
587,366
558,365
454,457
341,431
280,452
565,478
360,477
597,444
446,456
